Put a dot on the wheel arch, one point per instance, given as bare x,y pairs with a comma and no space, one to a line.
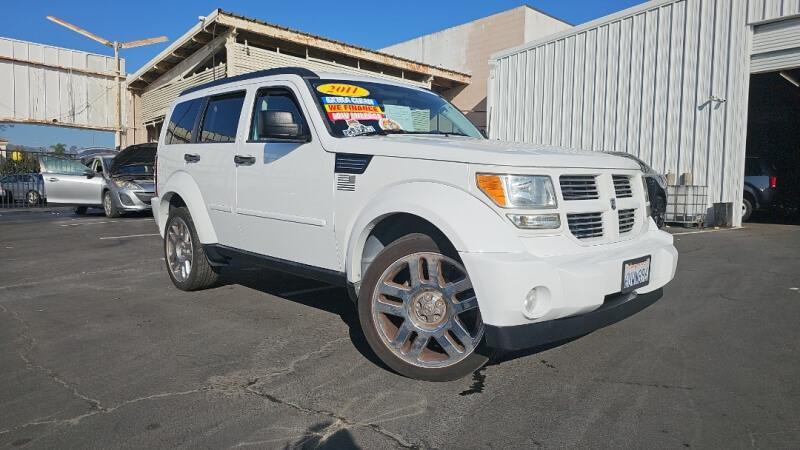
457,221
750,194
181,190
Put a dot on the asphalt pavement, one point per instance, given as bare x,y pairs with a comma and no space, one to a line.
99,350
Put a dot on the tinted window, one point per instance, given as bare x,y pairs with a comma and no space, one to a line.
222,118
274,100
182,122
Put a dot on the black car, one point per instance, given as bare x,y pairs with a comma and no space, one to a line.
656,189
760,185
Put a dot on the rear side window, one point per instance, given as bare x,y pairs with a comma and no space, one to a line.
182,122
221,119
63,166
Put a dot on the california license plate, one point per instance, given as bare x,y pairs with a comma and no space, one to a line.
635,273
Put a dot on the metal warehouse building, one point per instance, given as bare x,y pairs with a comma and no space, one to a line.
670,81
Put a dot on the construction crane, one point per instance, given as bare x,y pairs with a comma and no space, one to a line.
117,46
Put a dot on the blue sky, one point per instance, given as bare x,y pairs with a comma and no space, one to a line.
361,23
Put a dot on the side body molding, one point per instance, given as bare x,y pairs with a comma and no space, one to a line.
182,184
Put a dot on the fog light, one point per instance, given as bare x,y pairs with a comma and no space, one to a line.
536,221
535,304
125,199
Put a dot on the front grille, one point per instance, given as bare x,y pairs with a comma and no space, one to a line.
627,218
622,186
145,197
586,225
578,187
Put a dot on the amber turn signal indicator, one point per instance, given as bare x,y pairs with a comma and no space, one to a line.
492,186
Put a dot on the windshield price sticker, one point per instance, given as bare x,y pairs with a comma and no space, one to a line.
342,90
353,108
349,100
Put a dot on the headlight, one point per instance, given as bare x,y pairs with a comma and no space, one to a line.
518,191
130,185
646,197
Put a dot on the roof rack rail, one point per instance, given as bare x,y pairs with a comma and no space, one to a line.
301,71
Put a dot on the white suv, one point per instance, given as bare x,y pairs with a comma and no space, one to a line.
452,245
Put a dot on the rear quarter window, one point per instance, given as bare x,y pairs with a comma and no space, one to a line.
182,121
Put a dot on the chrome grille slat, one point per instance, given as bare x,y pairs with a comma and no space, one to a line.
622,186
579,187
585,225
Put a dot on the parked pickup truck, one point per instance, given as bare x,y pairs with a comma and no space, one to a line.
453,246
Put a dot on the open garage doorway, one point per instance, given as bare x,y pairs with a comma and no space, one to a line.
772,167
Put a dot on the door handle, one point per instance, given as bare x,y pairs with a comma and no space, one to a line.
189,157
52,179
244,160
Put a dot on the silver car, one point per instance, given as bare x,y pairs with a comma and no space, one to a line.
118,183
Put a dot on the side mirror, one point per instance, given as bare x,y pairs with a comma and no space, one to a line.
281,125
89,173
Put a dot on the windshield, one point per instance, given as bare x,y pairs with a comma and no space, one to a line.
357,108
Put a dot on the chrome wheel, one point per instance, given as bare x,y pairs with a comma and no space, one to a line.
179,249
426,312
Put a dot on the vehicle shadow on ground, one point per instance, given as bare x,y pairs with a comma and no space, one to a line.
306,292
335,300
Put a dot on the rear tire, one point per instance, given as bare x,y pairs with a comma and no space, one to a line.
187,264
430,328
33,198
110,206
747,209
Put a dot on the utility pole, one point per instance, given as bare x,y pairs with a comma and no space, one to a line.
117,46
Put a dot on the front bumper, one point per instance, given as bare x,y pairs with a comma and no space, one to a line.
614,309
570,280
128,200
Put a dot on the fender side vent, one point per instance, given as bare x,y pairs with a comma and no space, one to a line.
345,182
350,163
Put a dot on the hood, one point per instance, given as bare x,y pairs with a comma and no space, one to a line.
480,151
134,155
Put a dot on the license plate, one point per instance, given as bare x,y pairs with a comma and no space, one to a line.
635,273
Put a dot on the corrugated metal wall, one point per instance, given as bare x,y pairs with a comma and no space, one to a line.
776,45
667,81
46,84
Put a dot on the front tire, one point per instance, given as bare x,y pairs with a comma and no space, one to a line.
419,312
109,206
187,263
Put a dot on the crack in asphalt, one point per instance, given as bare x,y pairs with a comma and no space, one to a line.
340,422
655,385
30,365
